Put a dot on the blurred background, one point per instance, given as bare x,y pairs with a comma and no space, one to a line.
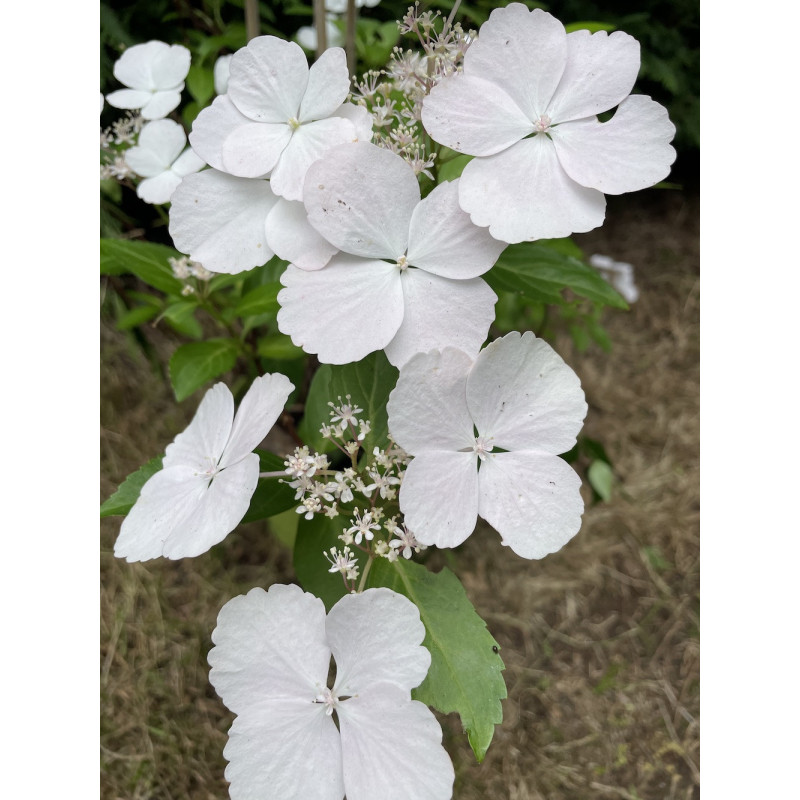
600,640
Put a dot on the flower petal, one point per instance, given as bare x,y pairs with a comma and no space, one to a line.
328,86
201,444
152,66
629,152
428,407
269,645
440,312
219,220
284,748
253,149
473,115
439,497
293,239
162,103
257,413
159,145
533,501
129,98
268,79
343,312
360,197
443,240
524,194
523,52
522,395
211,129
166,502
158,189
359,116
308,143
391,748
368,651
219,511
599,75
187,163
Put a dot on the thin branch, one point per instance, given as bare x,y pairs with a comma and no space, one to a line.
252,23
319,25
350,38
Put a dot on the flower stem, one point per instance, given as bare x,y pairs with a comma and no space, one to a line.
252,24
364,574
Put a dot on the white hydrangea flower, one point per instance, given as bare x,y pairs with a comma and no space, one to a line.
222,73
526,405
270,666
406,279
307,35
526,105
155,74
160,158
278,116
208,475
619,274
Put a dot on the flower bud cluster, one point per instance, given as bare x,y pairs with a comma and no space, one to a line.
184,268
113,143
394,96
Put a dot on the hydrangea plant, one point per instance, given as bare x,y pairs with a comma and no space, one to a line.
373,225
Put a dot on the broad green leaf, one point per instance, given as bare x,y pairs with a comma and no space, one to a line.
200,83
279,347
261,300
271,497
181,317
135,317
121,502
541,273
452,169
315,537
465,674
146,260
195,363
601,478
368,382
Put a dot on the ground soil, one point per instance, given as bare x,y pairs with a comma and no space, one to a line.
600,640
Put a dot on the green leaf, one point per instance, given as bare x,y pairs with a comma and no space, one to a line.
261,300
540,273
601,478
121,502
315,537
368,382
278,346
592,27
181,317
452,169
195,363
200,83
146,260
135,317
465,674
271,497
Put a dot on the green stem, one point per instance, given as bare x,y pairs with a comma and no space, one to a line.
252,24
364,574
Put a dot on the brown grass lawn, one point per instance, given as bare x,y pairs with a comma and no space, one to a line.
600,640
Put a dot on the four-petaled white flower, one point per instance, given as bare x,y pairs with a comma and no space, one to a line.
270,666
278,116
160,158
526,105
155,74
208,476
619,274
406,279
526,405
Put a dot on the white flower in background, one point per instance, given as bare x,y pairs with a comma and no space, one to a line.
278,116
340,6
155,74
208,475
526,405
222,72
406,279
160,158
270,665
526,105
619,274
307,35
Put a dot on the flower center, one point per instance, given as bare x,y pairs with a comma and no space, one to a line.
402,263
293,123
482,447
542,125
329,699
